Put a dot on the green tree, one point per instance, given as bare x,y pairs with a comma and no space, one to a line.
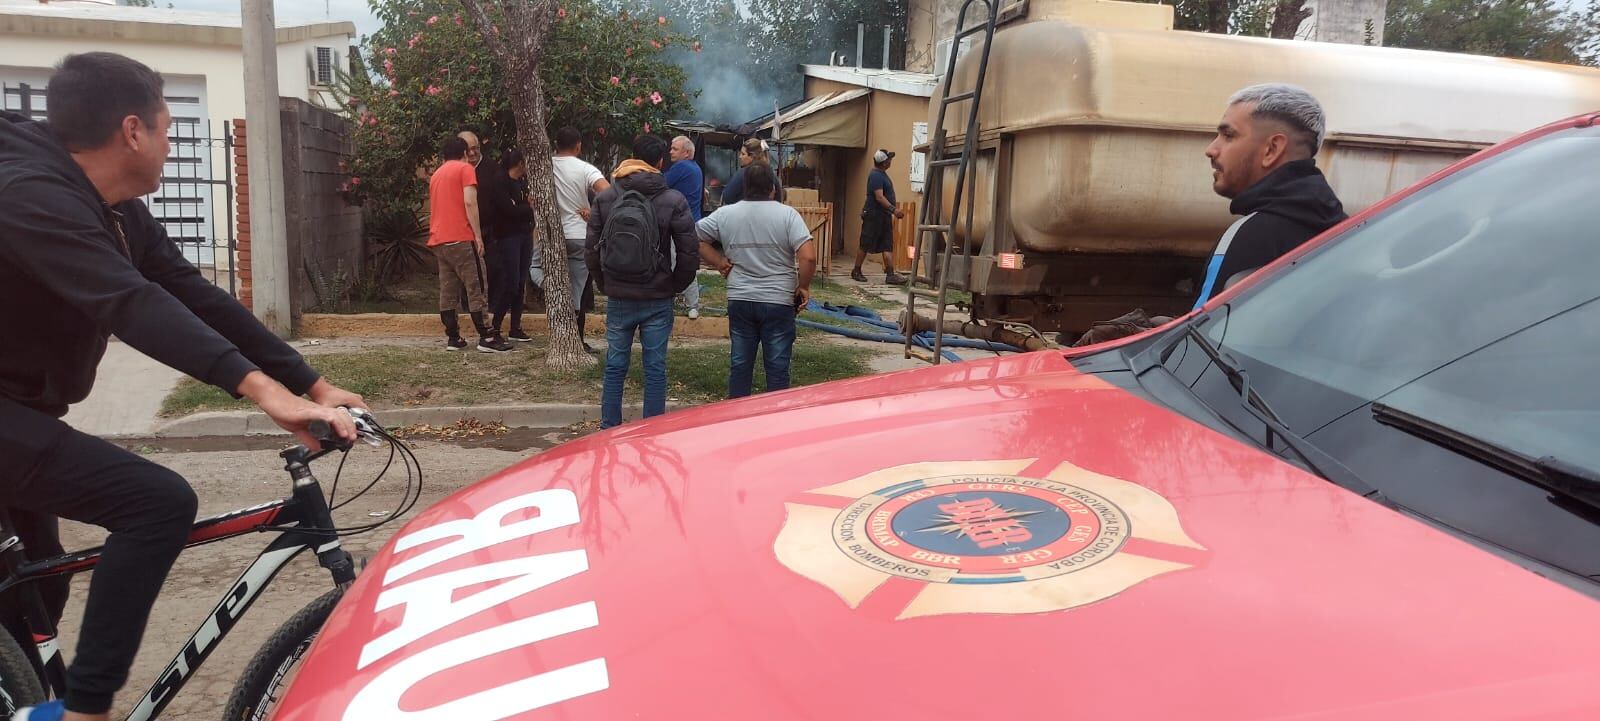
1588,24
427,73
1528,29
1259,18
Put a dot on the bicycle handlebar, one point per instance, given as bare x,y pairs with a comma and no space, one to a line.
367,430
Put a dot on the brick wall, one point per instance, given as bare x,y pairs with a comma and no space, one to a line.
241,185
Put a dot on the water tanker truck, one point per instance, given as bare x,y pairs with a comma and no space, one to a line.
1089,191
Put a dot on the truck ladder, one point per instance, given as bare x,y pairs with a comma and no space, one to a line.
936,242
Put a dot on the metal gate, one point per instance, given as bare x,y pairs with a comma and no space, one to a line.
195,202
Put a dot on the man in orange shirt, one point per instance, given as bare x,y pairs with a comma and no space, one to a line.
456,239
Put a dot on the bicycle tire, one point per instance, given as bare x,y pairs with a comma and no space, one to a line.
19,684
265,678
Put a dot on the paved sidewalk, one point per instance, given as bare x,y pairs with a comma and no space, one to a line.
127,395
515,415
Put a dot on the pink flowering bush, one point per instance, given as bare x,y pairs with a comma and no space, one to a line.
604,72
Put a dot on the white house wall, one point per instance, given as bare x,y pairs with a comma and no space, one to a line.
213,73
222,66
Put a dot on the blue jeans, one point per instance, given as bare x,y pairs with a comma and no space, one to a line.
653,321
769,325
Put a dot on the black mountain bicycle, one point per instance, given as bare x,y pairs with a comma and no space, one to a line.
32,670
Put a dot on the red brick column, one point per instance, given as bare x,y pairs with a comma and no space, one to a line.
241,185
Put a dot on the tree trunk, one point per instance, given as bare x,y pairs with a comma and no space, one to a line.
1218,14
1286,18
517,43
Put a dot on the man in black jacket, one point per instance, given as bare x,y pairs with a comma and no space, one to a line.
644,306
1263,158
81,258
505,209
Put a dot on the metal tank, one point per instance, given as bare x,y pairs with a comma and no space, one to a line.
1094,121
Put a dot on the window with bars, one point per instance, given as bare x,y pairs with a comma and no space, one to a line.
24,99
324,66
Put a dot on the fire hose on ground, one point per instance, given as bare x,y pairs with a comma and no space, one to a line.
884,331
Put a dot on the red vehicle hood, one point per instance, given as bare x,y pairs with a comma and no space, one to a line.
1007,539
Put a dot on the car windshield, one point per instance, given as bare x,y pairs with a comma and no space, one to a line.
1472,304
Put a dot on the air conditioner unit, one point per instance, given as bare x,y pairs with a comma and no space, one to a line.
941,53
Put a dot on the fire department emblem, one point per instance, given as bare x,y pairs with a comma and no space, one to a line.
982,537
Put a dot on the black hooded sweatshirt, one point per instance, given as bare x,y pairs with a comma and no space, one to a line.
676,226
1290,206
69,279
502,203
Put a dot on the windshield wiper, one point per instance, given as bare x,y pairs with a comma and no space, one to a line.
1562,479
1314,459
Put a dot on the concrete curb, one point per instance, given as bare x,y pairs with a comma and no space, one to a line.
254,423
417,325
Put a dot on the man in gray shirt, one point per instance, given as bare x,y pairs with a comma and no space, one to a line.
769,263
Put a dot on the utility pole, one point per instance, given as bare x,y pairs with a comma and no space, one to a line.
269,232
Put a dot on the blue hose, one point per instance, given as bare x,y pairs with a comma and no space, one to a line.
922,339
886,331
871,317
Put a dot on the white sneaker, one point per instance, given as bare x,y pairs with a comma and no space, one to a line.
694,314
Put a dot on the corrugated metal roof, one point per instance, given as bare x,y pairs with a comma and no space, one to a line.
812,105
903,82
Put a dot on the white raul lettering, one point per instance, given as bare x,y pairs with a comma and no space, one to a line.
380,699
557,507
429,606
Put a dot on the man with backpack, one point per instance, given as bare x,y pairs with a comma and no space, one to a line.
641,250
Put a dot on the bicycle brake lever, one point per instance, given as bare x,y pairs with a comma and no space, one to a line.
367,428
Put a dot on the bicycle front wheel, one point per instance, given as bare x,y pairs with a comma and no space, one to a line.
19,685
274,667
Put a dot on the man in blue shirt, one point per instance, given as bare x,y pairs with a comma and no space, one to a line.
877,220
686,177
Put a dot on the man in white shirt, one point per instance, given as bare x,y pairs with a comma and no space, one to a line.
769,264
577,182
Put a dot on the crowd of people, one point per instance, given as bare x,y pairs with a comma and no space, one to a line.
639,238
1262,158
83,253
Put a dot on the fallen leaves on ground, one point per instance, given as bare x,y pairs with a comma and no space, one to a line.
462,429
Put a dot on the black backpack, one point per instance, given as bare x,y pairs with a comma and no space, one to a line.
630,243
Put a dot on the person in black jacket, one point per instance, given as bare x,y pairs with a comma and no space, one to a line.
81,258
645,307
1263,158
488,174
504,205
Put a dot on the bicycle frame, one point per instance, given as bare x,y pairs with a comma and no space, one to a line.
289,517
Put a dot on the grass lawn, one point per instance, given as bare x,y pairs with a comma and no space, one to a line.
714,292
699,373
408,376
419,293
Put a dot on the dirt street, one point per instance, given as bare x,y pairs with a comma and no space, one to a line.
232,479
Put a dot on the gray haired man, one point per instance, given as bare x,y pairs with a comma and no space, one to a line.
1263,159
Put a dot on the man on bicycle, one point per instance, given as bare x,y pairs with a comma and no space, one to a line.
81,258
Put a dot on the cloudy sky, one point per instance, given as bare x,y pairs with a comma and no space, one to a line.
355,11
